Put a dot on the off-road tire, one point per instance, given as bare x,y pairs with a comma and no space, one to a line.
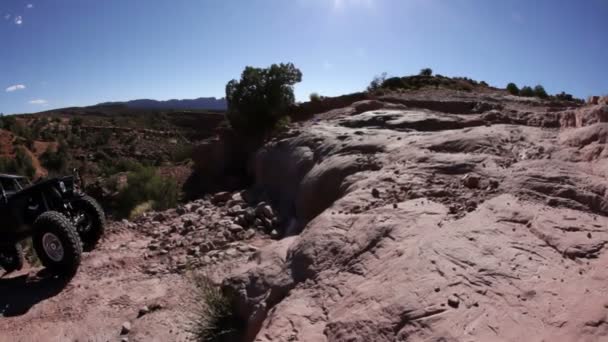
12,258
97,218
55,227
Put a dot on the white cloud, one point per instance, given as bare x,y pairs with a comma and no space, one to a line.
30,6
40,102
15,88
18,20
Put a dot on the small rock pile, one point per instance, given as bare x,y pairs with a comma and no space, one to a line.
206,232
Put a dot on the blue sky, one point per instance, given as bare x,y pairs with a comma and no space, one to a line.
57,53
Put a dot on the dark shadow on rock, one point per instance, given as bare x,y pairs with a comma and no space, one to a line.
19,294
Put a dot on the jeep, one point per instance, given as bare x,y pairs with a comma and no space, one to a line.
60,220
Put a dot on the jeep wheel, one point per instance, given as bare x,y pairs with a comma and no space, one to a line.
89,221
11,258
56,243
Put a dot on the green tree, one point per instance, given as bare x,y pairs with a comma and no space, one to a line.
539,91
426,72
513,89
259,99
526,91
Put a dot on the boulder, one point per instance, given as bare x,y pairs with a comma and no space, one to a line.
221,197
593,100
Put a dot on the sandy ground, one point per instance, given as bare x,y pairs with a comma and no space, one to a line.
109,290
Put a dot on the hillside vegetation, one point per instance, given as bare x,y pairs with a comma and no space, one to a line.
109,145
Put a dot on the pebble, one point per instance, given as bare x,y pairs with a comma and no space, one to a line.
453,301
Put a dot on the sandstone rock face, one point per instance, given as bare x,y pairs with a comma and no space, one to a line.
474,219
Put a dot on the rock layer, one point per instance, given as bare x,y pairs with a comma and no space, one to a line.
470,218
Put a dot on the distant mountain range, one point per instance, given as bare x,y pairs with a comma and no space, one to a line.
210,103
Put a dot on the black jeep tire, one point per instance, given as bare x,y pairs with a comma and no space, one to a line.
56,243
95,220
11,258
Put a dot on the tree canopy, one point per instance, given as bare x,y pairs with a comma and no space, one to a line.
426,72
513,89
257,101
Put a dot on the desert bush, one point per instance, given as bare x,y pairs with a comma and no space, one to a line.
214,317
377,82
8,122
76,121
146,185
314,97
29,254
181,153
526,91
394,83
564,96
260,98
56,161
539,91
426,72
141,209
21,164
282,125
109,166
484,83
513,89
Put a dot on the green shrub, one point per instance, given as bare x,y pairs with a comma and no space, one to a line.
526,91
377,82
8,122
56,161
484,83
146,185
21,164
539,91
281,125
314,97
564,96
76,121
109,166
181,153
426,72
261,97
513,89
214,318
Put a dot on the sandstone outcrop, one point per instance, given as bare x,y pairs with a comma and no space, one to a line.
462,219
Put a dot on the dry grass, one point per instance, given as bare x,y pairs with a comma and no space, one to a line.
214,317
29,253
